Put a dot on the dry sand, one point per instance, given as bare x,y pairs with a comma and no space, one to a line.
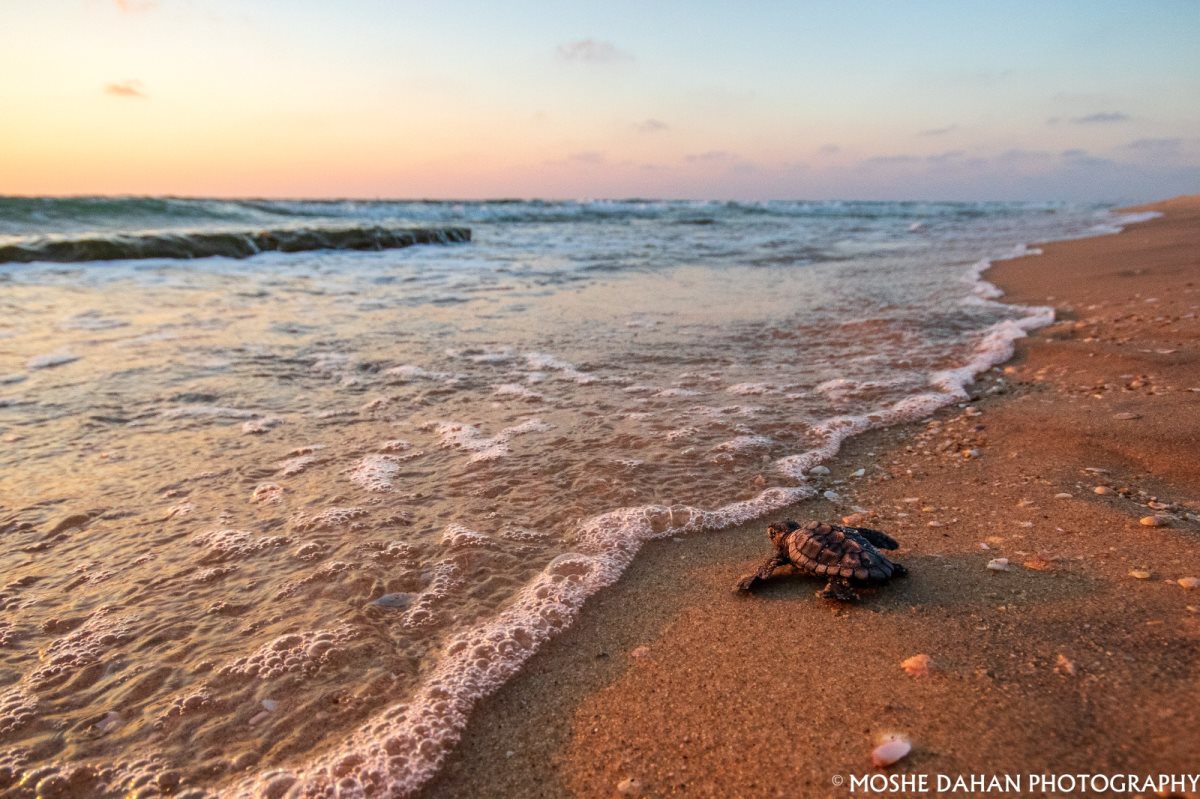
1064,664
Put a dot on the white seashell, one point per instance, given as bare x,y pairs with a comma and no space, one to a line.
890,752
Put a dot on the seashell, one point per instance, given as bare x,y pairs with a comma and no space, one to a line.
918,665
890,751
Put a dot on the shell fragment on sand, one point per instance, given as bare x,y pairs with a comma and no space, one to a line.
998,564
918,665
1140,574
890,751
1189,582
1157,520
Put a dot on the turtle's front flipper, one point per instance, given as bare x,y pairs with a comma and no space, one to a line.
877,538
761,573
838,589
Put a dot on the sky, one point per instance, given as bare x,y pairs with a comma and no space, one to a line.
854,99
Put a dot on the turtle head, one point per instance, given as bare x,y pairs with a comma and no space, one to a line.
778,531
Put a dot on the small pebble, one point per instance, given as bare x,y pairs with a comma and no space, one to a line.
261,716
858,472
1127,416
1140,574
640,652
1153,521
1063,495
998,564
629,787
270,704
1064,666
1189,582
832,496
918,665
393,600
890,752
820,471
1102,490
970,453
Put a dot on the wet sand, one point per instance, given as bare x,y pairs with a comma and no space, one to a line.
670,685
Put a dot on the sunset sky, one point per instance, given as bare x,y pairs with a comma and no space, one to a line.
805,100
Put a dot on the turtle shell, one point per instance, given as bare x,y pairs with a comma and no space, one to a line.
834,551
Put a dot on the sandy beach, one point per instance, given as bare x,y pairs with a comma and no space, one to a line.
1075,462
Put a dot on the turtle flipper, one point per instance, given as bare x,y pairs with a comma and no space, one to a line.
761,573
838,589
881,540
898,569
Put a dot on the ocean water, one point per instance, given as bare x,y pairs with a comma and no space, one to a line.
273,524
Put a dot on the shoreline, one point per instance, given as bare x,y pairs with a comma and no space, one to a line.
634,694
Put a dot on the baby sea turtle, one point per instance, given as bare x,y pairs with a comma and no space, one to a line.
846,555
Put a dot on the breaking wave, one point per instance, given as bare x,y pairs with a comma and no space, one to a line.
226,245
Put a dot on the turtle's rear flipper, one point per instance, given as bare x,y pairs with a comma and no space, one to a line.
838,589
881,540
898,569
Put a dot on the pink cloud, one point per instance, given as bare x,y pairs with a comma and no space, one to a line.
126,88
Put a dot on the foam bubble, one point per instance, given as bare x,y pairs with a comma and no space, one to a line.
539,361
409,373
84,646
375,472
744,443
229,544
458,536
481,447
329,519
17,709
267,494
751,389
304,652
518,391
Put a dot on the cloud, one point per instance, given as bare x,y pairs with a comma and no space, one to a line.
890,160
652,126
937,131
1100,118
592,51
1155,146
949,155
126,88
135,6
711,155
588,157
